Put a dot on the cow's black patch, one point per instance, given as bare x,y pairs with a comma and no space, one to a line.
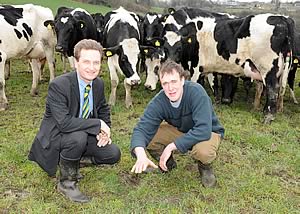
227,33
11,14
237,61
27,28
280,40
0,41
18,33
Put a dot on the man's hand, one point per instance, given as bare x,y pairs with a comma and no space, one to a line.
142,162
104,128
166,155
103,139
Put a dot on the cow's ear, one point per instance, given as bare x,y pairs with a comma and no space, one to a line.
81,24
171,10
108,52
147,50
49,24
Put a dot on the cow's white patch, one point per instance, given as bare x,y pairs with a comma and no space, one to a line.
79,10
131,50
171,20
124,16
152,77
151,18
64,19
172,37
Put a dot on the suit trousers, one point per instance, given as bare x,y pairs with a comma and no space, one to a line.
205,151
78,144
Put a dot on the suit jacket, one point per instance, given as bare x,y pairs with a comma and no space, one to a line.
61,116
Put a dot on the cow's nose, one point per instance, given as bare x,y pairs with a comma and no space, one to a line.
134,82
226,101
58,48
149,87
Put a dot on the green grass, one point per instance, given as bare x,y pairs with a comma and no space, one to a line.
257,165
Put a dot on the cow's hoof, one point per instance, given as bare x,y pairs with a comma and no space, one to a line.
34,92
3,106
128,106
269,118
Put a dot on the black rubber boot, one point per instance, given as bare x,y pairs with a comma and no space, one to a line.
68,181
155,154
86,161
208,178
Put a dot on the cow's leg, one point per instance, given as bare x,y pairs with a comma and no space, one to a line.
49,52
114,80
258,93
272,86
3,99
128,98
7,69
71,62
291,81
247,83
35,76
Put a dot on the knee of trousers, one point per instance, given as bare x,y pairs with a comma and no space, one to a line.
113,157
206,156
79,141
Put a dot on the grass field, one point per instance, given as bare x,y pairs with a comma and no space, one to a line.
258,166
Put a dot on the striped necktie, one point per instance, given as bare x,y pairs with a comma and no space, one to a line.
86,106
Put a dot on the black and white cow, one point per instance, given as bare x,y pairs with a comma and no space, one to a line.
121,43
24,35
181,51
71,26
257,46
99,21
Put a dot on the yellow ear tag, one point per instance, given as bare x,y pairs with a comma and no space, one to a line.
49,27
146,50
81,25
189,40
157,43
108,53
295,61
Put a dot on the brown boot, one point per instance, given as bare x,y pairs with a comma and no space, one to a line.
67,184
208,178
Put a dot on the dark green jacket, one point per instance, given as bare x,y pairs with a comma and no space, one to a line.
195,117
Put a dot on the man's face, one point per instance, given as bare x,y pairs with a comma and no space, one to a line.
88,65
172,85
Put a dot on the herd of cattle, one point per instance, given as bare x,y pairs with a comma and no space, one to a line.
264,47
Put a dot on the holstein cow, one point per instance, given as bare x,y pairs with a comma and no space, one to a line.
186,51
152,52
121,43
99,21
24,35
71,26
256,46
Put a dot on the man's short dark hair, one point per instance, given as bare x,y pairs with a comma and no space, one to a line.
87,44
170,65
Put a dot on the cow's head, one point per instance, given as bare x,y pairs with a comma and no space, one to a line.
127,55
154,57
152,26
173,45
68,30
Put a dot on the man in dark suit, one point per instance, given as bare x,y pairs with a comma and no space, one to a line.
76,123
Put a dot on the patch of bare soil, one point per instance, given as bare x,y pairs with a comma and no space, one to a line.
129,178
15,193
